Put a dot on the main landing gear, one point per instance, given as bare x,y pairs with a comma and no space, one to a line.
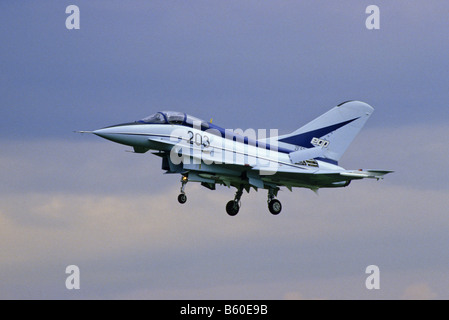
274,205
233,206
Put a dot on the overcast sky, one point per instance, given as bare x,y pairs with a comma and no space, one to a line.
70,199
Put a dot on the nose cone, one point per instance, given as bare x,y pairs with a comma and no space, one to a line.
107,133
115,134
114,131
126,134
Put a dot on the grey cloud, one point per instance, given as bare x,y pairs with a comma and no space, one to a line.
149,244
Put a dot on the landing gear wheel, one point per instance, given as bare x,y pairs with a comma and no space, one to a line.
275,206
182,198
232,208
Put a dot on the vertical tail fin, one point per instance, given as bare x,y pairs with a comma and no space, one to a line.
333,131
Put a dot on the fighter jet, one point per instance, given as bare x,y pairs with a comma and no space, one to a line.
203,152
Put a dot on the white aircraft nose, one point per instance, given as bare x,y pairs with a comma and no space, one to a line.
114,134
123,134
104,133
111,131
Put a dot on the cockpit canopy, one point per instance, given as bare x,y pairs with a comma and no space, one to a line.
155,118
173,117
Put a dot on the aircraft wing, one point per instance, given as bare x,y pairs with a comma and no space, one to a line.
315,178
259,176
369,173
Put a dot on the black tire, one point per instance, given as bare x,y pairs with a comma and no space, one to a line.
232,208
275,206
182,198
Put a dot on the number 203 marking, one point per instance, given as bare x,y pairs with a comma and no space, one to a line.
198,139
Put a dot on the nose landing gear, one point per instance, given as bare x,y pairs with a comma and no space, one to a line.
182,198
